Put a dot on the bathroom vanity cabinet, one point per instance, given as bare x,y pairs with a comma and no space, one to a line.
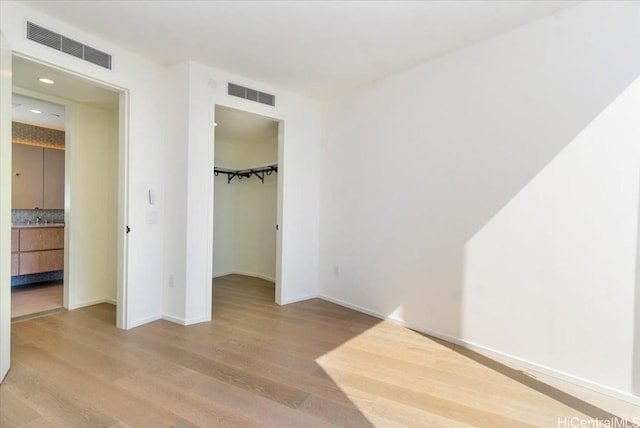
36,249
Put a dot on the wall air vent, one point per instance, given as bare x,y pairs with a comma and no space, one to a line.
63,44
251,94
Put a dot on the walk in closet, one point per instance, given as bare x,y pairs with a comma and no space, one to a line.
245,194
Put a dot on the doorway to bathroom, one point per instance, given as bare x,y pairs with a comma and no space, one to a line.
65,245
37,207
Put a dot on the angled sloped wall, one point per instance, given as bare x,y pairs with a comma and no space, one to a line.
416,164
551,277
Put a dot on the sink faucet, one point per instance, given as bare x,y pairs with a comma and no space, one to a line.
38,219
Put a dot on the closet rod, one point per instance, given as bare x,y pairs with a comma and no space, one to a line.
246,173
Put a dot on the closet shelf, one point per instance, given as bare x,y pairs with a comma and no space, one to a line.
259,172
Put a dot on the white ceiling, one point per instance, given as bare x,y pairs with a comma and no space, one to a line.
66,86
26,74
317,48
51,116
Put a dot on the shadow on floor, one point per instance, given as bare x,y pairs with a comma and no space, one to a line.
541,387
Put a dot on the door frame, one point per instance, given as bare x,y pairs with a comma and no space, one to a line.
123,184
279,191
5,205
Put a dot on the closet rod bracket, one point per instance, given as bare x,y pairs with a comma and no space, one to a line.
246,173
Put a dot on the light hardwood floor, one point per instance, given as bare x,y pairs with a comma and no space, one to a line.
307,364
37,299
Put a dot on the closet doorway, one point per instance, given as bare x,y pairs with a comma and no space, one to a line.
245,205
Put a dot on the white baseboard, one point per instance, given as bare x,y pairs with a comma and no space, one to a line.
539,368
358,308
91,303
173,319
197,320
183,321
594,386
299,299
143,321
218,275
239,272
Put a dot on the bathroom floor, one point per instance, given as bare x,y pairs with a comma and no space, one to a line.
33,300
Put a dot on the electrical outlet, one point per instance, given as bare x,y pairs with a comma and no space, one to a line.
171,283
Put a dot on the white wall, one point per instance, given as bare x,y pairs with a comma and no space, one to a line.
111,206
224,227
559,260
146,139
176,116
298,187
255,249
176,151
244,236
91,215
413,166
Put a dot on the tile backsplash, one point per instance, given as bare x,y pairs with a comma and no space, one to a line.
26,216
24,133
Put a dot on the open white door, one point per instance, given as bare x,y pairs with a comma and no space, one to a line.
5,206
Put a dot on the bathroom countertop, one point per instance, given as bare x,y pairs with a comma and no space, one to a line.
26,225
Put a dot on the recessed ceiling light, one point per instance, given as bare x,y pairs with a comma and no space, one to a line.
35,111
47,81
215,124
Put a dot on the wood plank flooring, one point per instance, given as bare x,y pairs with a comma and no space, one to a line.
27,301
309,364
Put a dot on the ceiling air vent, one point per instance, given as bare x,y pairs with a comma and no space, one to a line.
251,94
63,44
